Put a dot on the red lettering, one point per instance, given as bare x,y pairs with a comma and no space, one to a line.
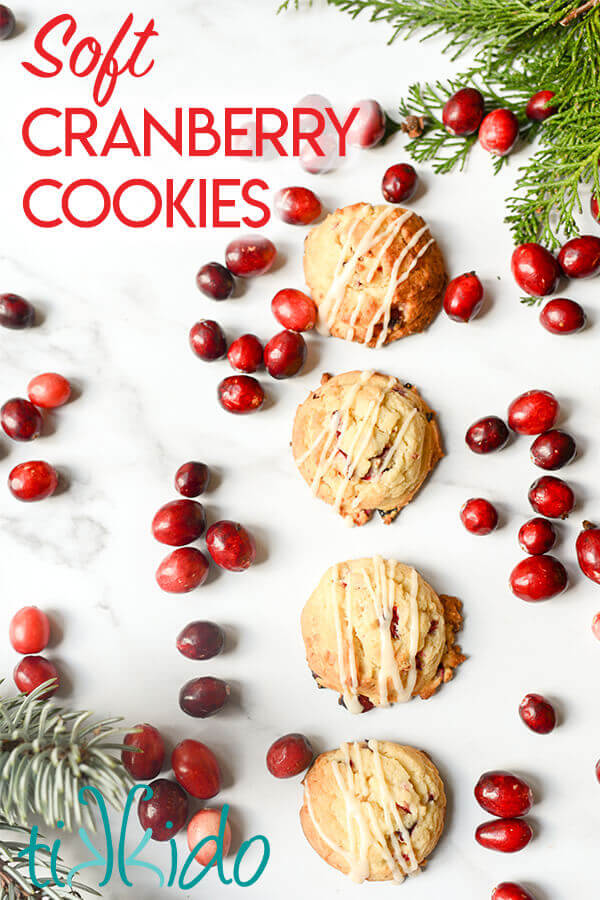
272,137
175,141
42,111
207,128
342,129
41,51
137,223
129,143
246,196
66,198
88,43
301,135
174,203
231,132
72,135
220,202
27,197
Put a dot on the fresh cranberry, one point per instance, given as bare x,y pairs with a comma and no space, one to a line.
179,522
203,697
33,480
33,671
504,835
503,794
533,412
196,769
463,112
7,22
553,449
146,758
246,353
206,824
297,205
165,812
538,578
192,478
49,390
289,755
499,131
463,297
537,108
285,354
535,269
207,340
215,281
594,209
509,890
326,160
479,516
250,256
231,546
537,713
596,626
241,394
368,127
537,536
15,312
486,435
201,640
580,257
562,316
182,570
551,497
588,551
399,183
29,630
598,770
294,310
21,420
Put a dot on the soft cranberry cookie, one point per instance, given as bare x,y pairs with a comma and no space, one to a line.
374,810
375,273
376,633
364,442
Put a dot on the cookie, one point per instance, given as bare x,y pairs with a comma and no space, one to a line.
374,810
375,273
364,442
376,633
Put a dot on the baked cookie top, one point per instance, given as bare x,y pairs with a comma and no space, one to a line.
374,810
376,633
375,273
365,441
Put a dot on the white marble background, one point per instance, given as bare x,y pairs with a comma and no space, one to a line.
117,305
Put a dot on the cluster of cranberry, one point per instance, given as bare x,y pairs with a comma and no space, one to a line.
29,634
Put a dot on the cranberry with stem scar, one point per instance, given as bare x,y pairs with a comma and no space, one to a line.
16,312
538,578
479,516
551,497
588,551
203,697
580,257
285,354
247,257
553,449
196,769
231,546
504,835
509,890
503,794
535,269
537,536
21,420
32,481
49,390
192,478
463,297
215,281
537,109
207,340
537,713
289,755
399,183
182,570
368,127
201,640
145,760
179,522
33,671
246,353
463,112
499,131
297,205
240,394
165,811
533,412
29,630
486,435
294,310
562,316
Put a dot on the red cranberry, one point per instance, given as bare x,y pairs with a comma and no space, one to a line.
215,281
250,256
535,269
463,112
182,570
33,671
594,209
399,183
246,353
294,310
7,22
499,131
479,516
207,340
504,835
29,630
486,435
508,890
588,551
463,297
49,390
551,497
580,257
165,812
33,480
231,545
562,316
503,794
202,831
289,755
537,109
196,769
146,758
533,412
596,626
21,420
537,536
297,205
598,770
553,449
201,640
368,127
179,522
328,159
192,478
538,578
537,713
241,394
285,354
203,697
15,312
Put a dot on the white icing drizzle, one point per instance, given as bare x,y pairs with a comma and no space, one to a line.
393,819
333,846
392,231
348,679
